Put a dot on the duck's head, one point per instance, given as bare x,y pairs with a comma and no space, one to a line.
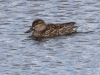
37,25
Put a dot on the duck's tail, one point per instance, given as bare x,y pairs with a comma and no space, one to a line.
75,28
70,23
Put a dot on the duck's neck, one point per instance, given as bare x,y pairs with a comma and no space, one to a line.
38,33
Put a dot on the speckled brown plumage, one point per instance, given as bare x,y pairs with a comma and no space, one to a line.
41,29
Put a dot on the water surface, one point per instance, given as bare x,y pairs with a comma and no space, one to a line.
76,54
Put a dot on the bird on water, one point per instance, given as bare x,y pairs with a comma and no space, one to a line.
41,29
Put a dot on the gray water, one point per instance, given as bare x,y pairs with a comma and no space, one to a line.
76,54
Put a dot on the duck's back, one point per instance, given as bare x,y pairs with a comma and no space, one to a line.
59,29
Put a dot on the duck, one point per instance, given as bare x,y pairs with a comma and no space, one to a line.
41,29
